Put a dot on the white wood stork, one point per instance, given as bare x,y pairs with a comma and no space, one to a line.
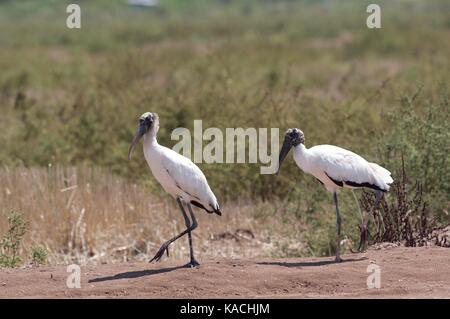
336,168
178,176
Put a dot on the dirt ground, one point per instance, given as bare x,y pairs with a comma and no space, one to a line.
405,273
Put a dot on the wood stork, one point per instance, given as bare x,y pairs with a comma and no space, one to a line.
337,168
178,176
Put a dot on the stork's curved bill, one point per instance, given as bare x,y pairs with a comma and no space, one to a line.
141,130
287,145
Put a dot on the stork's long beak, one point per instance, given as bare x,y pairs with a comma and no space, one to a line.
139,133
287,145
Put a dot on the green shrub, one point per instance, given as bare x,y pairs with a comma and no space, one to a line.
421,136
10,243
39,255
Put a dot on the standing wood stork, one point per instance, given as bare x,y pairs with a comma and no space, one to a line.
337,168
178,176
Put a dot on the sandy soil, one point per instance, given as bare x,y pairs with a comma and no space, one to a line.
405,272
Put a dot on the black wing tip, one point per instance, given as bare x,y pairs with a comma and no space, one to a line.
367,185
215,210
354,184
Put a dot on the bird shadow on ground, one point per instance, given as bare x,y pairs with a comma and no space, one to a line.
136,274
310,263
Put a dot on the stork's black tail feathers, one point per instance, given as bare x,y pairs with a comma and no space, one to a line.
215,210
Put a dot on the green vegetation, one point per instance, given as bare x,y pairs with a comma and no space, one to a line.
39,255
10,243
73,96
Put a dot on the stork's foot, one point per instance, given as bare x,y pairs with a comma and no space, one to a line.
164,248
338,259
364,237
192,264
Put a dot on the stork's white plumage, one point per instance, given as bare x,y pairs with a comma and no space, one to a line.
336,168
339,168
179,177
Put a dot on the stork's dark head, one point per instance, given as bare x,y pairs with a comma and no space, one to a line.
148,123
292,138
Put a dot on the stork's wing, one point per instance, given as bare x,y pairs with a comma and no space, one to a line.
345,166
189,178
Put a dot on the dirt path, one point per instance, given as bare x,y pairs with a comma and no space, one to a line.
405,272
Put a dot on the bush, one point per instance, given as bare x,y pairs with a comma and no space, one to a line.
10,243
421,137
403,215
39,255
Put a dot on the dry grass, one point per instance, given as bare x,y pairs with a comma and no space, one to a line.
87,215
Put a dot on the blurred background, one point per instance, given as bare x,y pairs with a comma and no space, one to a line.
70,99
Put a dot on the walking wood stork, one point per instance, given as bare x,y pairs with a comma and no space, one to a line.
337,168
178,176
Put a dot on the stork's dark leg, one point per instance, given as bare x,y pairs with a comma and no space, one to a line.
193,262
364,236
187,222
338,229
189,227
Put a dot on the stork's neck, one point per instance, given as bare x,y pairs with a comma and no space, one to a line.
150,141
302,156
301,149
